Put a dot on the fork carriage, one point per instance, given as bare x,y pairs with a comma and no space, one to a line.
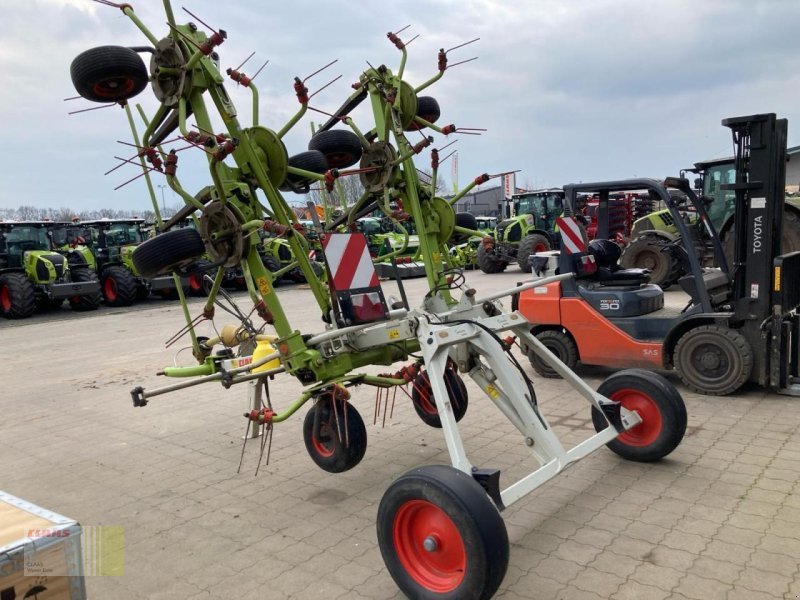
439,527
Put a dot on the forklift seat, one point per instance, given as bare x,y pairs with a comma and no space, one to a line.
606,253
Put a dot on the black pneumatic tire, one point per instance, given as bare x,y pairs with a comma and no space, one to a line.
108,74
17,296
713,359
531,244
313,161
428,109
467,544
168,251
645,252
119,287
341,148
559,343
425,403
89,301
488,262
657,402
327,449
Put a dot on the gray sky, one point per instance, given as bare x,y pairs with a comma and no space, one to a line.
569,91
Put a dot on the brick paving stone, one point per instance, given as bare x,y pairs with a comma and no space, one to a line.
633,590
736,535
710,568
724,551
774,563
539,587
764,581
700,588
615,564
573,593
558,569
664,556
577,552
664,578
599,582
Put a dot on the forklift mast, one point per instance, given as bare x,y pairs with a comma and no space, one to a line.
760,162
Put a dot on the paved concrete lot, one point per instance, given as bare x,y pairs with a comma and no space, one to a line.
719,519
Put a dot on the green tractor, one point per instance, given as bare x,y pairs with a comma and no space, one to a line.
529,229
113,242
465,254
656,245
71,239
33,275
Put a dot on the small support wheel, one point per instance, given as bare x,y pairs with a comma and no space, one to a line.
441,536
168,251
713,359
425,404
559,343
657,402
341,148
336,440
108,74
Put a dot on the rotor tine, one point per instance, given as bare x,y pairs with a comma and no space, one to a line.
462,45
244,443
377,405
461,62
336,416
123,162
245,60
335,79
83,110
394,397
385,407
321,69
411,40
263,443
261,68
403,29
199,19
131,180
183,35
72,98
346,428
446,145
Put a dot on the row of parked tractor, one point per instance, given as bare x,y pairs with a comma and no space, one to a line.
88,263
638,222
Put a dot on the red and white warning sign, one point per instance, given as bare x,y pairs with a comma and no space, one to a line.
349,261
571,235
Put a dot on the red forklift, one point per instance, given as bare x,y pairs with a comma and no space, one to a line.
741,323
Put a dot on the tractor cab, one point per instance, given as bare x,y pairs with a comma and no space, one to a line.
17,239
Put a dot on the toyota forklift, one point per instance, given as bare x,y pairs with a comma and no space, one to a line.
741,323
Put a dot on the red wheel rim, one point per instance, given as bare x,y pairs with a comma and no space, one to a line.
429,546
321,447
540,247
195,282
646,432
110,289
5,298
114,87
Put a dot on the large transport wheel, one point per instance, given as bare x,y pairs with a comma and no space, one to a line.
428,109
88,301
168,252
118,286
559,343
425,403
199,285
441,537
790,237
17,296
489,262
531,244
334,446
647,252
108,74
341,148
657,402
713,359
313,161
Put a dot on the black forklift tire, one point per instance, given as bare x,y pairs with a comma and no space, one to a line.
312,160
441,536
428,109
645,252
340,147
425,404
17,296
657,402
488,262
89,301
168,252
559,343
118,286
108,74
531,244
713,359
335,448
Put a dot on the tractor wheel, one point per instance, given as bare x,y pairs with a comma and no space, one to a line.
425,404
199,285
341,148
17,296
441,537
428,109
531,244
87,302
713,359
272,265
108,74
790,237
118,286
168,251
313,161
645,252
559,343
489,262
336,440
657,402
